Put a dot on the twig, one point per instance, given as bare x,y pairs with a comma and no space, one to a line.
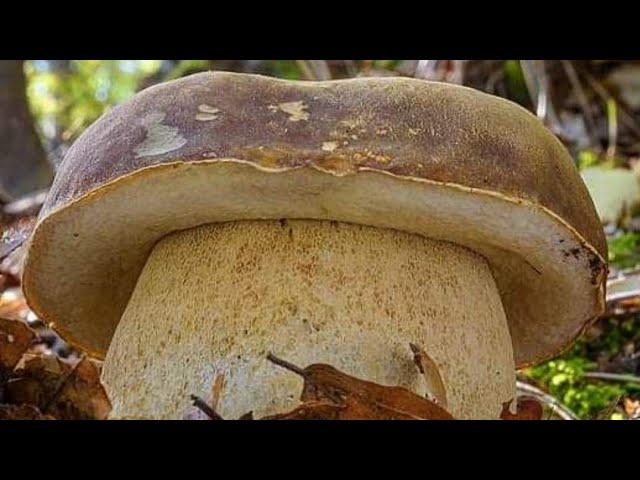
306,71
365,67
321,67
406,68
28,204
537,81
625,118
62,384
572,75
426,69
557,408
314,69
612,407
216,389
205,408
614,377
612,124
9,250
286,365
436,391
457,76
351,68
536,86
493,79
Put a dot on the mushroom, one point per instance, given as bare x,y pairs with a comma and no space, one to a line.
213,219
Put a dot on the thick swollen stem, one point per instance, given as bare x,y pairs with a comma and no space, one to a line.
214,300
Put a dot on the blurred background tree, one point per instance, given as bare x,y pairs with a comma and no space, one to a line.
23,165
593,106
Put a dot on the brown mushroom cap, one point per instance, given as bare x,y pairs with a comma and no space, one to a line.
438,160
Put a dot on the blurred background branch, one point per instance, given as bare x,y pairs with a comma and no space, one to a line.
23,162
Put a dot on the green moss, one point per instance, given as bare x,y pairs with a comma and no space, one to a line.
624,250
564,377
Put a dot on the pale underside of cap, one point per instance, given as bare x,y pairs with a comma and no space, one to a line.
437,160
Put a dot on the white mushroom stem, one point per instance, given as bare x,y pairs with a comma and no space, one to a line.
212,301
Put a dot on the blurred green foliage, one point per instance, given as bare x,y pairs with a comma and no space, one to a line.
515,82
590,158
587,158
564,377
624,250
68,100
283,69
185,67
386,64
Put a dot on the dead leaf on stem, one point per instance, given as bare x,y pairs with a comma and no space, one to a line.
426,365
310,411
329,394
527,409
357,399
15,339
81,395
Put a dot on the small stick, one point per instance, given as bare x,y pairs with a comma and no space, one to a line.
415,349
50,401
247,416
286,365
216,389
615,377
314,69
602,92
426,69
557,408
205,408
612,123
572,75
436,391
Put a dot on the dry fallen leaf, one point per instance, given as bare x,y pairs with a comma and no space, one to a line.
22,412
361,399
15,234
15,339
81,395
27,391
216,390
527,409
205,410
426,365
201,411
13,305
329,394
309,411
36,380
66,391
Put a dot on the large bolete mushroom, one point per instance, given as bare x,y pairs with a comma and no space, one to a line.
212,219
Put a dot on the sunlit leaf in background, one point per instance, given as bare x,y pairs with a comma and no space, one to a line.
67,100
